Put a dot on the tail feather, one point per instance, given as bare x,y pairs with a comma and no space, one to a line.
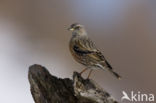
116,75
113,73
107,66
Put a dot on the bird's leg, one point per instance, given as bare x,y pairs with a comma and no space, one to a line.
83,70
89,73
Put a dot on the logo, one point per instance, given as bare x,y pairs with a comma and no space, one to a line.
137,97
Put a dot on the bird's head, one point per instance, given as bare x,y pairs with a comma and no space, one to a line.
78,29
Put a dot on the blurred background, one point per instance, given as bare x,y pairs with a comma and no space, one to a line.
34,32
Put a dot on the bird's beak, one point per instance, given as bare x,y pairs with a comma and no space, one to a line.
70,29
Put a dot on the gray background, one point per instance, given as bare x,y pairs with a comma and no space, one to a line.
34,31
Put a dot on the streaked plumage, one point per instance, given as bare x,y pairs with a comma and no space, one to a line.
85,52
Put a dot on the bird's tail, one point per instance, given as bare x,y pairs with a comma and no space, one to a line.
107,66
112,72
115,74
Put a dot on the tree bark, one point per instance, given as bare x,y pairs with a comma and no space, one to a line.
46,88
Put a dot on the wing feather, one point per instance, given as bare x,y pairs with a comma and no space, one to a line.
86,47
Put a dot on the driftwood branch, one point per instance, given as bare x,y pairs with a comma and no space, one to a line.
46,88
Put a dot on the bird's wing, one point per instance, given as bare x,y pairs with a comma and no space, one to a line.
80,50
85,46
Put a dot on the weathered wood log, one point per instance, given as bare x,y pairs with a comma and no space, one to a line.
46,88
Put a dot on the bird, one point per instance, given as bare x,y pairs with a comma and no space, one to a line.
85,52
